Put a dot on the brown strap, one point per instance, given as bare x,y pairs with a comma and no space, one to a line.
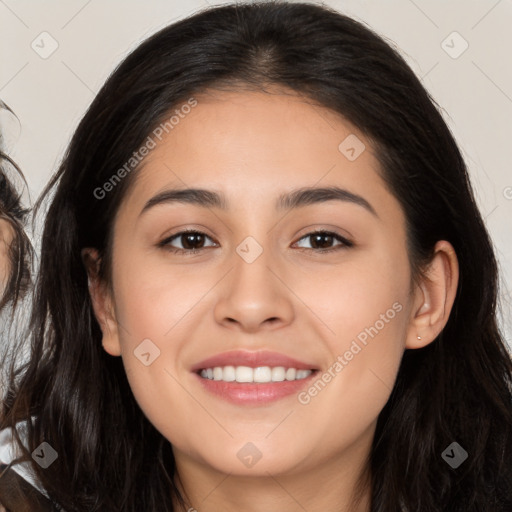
17,495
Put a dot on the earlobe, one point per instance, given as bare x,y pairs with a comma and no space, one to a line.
102,302
434,297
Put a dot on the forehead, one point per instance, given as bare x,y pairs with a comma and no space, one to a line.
255,144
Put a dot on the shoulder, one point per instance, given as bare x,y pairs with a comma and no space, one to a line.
9,451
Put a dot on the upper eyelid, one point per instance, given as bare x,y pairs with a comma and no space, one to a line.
184,232
345,240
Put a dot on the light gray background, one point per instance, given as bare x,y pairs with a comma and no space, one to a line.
49,95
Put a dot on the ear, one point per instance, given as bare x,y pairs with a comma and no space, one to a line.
102,302
434,297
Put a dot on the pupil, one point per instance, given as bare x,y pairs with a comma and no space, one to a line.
319,237
190,237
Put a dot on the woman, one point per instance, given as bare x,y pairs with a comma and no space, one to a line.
15,255
15,247
242,369
14,244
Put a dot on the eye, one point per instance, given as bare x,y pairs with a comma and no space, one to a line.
190,240
325,238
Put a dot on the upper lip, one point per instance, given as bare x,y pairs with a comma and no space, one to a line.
252,359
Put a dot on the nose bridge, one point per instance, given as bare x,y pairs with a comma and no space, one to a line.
252,275
253,293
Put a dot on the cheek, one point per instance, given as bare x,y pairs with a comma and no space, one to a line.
157,307
153,298
364,293
365,306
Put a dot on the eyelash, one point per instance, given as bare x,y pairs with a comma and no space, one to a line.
345,244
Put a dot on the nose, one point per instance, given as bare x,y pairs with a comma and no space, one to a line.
255,295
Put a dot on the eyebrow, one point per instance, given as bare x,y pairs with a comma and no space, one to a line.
291,200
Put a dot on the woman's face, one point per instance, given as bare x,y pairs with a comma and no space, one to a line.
259,281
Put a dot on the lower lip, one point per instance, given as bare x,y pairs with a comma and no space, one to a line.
241,393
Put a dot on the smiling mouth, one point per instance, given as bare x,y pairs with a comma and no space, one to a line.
257,375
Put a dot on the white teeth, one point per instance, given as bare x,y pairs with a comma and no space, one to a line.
244,374
261,374
302,374
290,373
228,373
278,374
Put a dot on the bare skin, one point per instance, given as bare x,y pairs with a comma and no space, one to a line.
6,238
292,299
